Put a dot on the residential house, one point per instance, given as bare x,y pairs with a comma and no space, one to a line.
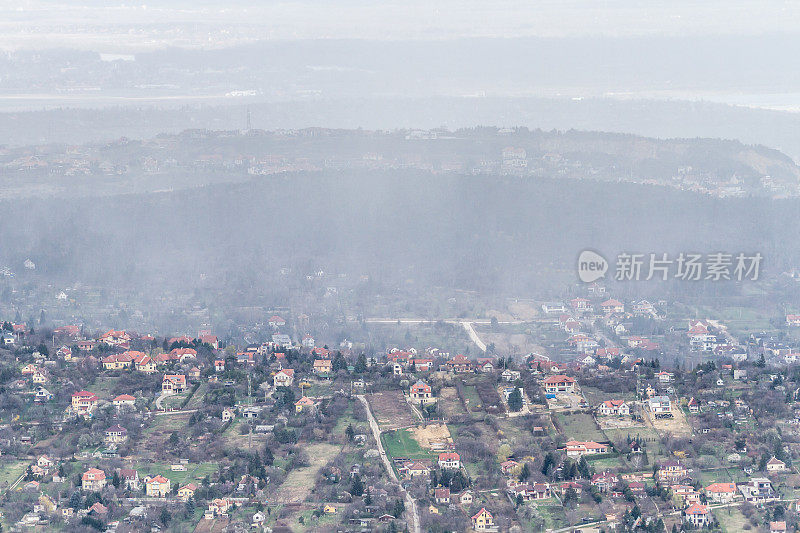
412,469
509,467
697,515
612,306
510,375
93,480
614,408
578,448
276,321
421,364
449,460
604,481
173,384
776,465
530,491
116,434
558,383
124,400
304,404
420,391
757,491
671,471
84,402
283,378
144,363
157,487
186,492
119,361
659,405
460,364
129,478
721,492
115,338
441,496
483,520
322,366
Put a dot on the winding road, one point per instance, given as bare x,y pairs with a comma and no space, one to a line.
411,505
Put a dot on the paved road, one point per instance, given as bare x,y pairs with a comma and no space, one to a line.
474,336
411,505
466,324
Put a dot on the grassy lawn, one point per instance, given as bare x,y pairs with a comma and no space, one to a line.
580,426
400,443
595,396
730,519
167,423
174,401
103,387
300,481
194,471
10,471
471,396
553,516
605,463
197,398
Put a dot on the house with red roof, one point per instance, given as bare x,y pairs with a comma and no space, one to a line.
119,361
460,364
124,400
612,306
420,391
721,492
322,366
697,514
144,363
614,408
157,487
576,448
93,480
283,378
483,520
276,321
181,354
449,460
84,402
115,338
604,481
173,384
211,340
558,383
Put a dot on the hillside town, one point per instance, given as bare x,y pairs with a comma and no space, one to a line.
598,429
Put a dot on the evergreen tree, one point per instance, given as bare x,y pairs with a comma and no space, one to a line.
356,487
515,400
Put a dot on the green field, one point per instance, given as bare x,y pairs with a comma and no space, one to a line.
197,398
471,397
194,471
580,426
730,519
400,443
10,470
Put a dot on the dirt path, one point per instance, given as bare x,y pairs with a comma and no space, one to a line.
411,505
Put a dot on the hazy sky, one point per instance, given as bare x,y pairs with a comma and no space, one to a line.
128,26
